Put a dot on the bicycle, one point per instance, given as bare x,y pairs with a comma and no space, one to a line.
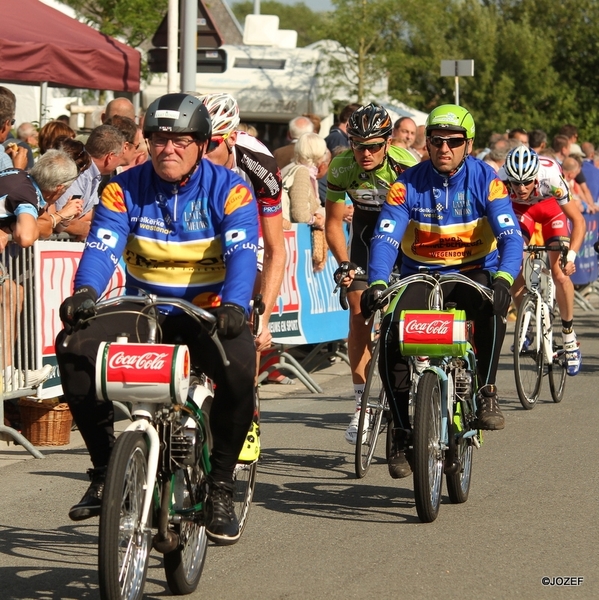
535,342
443,411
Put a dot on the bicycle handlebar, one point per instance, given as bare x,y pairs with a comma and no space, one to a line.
561,248
434,280
205,318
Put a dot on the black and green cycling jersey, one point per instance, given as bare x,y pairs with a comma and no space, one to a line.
367,189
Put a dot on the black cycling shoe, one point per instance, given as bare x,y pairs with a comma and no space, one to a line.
222,526
488,415
91,503
399,459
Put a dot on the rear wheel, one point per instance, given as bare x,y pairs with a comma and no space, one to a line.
458,484
374,406
124,543
244,478
528,361
183,567
428,447
558,367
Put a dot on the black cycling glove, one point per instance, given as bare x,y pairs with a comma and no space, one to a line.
81,305
501,296
370,299
230,320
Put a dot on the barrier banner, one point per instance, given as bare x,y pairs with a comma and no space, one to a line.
55,267
587,265
307,311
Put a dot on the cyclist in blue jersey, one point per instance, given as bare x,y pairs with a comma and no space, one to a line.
450,213
187,229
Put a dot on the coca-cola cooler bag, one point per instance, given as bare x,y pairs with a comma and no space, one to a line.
433,333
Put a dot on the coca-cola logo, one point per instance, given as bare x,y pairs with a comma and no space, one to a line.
436,327
153,361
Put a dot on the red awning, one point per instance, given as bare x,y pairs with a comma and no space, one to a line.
40,44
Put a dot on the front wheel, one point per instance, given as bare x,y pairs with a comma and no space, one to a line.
558,367
428,447
528,361
183,567
374,405
124,542
244,479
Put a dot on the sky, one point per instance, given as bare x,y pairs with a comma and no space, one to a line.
315,5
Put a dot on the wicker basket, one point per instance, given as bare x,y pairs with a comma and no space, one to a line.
45,423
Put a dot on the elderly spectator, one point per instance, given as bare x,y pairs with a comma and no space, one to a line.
298,126
537,140
105,147
404,135
316,121
499,149
119,106
24,195
27,137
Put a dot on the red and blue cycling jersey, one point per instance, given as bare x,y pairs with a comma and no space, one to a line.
196,241
458,223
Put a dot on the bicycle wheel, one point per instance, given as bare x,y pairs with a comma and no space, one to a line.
428,453
374,404
124,544
244,478
458,484
557,368
183,567
528,362
244,475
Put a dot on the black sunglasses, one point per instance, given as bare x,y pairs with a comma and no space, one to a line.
452,142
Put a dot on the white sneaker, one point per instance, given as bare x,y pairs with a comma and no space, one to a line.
351,433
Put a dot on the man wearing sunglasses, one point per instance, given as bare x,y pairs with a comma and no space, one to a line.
253,162
540,194
448,214
185,229
365,173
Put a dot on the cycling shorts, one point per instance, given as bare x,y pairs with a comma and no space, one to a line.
362,229
553,221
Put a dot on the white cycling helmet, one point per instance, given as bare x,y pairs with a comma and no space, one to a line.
521,164
224,112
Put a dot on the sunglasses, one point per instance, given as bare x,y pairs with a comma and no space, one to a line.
521,183
452,142
215,142
372,148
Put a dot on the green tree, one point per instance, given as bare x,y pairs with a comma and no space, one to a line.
298,17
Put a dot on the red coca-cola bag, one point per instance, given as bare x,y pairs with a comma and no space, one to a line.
157,373
434,333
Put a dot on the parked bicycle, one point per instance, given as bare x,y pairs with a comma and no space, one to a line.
443,415
536,343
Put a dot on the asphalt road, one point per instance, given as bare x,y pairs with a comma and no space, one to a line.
317,532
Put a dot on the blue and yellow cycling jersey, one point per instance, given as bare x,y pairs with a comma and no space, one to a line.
196,241
455,223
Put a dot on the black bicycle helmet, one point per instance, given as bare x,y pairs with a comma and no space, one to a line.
178,113
370,121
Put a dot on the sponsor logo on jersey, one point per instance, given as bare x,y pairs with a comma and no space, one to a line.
557,224
497,189
108,237
113,199
234,236
239,196
397,194
460,206
387,226
557,192
436,193
505,220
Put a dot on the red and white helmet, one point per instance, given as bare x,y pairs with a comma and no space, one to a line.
224,112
